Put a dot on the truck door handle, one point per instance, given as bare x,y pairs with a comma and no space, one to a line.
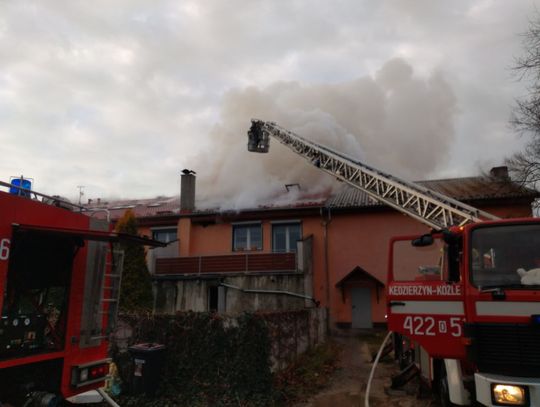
397,304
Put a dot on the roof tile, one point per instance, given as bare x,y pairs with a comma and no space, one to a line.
463,189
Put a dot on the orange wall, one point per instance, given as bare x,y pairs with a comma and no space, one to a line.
184,236
218,238
363,240
354,239
145,231
510,211
209,240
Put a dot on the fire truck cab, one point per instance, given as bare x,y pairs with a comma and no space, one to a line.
59,279
468,312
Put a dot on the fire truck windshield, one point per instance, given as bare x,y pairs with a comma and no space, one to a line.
506,256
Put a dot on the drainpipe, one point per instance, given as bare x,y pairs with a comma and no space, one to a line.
325,222
276,292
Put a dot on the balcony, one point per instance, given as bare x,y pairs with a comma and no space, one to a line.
231,263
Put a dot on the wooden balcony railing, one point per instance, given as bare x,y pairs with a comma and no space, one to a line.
233,263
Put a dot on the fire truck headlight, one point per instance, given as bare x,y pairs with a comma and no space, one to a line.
83,375
509,395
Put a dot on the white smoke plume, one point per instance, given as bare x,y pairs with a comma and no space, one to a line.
396,121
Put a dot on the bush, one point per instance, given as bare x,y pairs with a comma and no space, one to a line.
209,361
136,288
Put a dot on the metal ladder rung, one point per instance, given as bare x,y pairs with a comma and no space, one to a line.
109,300
99,337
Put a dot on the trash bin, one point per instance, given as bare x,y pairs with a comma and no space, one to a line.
148,359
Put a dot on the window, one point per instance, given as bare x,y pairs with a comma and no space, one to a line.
165,235
247,237
285,236
420,263
501,255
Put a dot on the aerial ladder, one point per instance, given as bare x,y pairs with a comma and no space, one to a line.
429,207
464,309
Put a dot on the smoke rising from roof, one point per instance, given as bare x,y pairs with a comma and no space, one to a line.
396,120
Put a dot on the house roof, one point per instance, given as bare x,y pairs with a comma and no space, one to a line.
358,273
142,208
463,189
476,188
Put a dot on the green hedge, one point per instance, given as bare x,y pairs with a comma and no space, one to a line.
209,360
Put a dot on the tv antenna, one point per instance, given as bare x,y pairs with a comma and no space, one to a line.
81,192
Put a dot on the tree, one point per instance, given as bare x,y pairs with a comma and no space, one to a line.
136,290
525,165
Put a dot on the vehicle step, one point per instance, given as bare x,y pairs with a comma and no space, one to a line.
385,352
405,376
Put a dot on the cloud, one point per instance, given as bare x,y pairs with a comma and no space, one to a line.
119,96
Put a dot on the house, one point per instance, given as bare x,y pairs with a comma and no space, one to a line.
319,251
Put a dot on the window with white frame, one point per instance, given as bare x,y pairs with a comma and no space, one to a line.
247,236
165,235
285,236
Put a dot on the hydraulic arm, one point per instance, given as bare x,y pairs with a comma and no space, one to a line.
432,208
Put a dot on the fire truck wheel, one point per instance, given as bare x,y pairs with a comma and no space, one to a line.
443,388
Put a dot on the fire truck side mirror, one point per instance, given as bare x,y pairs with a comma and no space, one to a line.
424,240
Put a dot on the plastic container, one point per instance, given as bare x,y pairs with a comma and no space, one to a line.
148,360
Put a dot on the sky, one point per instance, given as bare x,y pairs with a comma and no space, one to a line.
120,96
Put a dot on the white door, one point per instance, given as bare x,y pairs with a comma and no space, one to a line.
361,307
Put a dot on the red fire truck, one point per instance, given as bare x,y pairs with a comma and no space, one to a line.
60,277
471,318
463,300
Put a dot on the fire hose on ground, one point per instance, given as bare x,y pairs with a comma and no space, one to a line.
107,398
375,362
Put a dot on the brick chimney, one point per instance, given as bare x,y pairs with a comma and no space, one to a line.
500,173
187,191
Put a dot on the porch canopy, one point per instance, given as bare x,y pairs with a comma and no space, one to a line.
358,274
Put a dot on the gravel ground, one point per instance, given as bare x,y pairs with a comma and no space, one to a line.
348,384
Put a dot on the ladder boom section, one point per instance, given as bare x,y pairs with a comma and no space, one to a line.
430,207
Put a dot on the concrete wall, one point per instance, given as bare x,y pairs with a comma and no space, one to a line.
193,294
291,333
